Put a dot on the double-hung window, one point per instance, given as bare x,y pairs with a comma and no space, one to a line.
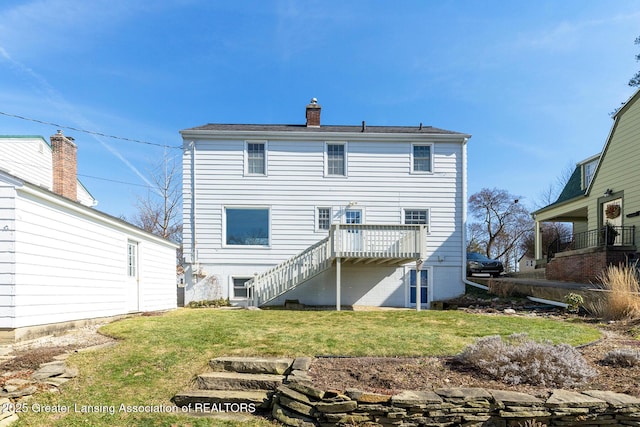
421,158
336,159
324,218
256,158
588,171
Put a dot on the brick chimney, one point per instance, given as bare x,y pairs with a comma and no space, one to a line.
313,114
65,166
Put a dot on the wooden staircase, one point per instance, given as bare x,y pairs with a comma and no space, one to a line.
355,243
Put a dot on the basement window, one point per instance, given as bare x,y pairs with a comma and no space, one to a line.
240,289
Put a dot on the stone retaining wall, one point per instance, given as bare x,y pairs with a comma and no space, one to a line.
299,403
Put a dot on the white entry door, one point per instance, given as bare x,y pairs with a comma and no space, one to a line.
354,237
132,292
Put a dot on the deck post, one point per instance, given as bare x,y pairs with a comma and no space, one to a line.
418,284
338,274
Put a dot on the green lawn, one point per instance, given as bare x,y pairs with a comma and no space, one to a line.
159,356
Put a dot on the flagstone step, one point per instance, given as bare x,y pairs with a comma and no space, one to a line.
225,400
252,365
238,381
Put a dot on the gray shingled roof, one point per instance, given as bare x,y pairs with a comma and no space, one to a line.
327,128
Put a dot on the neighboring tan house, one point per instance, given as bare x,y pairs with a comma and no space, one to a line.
602,201
61,261
325,215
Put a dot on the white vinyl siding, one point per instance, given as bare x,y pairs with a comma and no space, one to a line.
27,158
30,158
7,255
71,263
377,182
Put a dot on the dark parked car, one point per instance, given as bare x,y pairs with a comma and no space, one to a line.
478,263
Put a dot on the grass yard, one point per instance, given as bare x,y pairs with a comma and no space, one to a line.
158,356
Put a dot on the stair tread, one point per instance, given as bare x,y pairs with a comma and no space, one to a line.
253,365
226,394
242,375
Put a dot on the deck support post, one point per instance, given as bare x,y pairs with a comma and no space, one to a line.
418,284
338,274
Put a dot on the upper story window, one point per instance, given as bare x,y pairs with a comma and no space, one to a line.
256,158
588,171
336,160
324,218
421,158
247,226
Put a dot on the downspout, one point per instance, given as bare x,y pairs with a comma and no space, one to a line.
464,220
194,256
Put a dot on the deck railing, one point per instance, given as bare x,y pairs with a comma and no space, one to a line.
344,241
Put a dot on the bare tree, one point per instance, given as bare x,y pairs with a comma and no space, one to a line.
551,193
550,231
503,221
635,80
159,211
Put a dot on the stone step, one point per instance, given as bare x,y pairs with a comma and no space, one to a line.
224,399
251,365
239,381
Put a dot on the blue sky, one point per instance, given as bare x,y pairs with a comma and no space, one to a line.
533,82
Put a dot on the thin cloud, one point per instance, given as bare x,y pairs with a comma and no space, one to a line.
56,99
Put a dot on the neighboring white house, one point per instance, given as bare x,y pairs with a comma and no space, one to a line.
61,261
326,215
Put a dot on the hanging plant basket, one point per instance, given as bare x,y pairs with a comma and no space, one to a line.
612,211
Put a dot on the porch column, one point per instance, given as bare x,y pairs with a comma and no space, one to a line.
538,242
338,274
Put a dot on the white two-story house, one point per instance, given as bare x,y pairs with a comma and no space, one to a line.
322,214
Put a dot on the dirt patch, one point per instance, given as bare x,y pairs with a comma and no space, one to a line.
27,356
391,375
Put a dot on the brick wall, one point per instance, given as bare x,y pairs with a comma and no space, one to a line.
585,266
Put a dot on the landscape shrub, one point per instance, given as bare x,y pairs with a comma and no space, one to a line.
518,360
573,301
622,297
221,302
622,358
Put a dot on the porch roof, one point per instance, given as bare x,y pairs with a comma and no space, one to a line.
570,205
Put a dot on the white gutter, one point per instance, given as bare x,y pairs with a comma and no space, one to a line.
217,134
464,220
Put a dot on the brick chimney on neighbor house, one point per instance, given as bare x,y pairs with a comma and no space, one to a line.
65,166
313,114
